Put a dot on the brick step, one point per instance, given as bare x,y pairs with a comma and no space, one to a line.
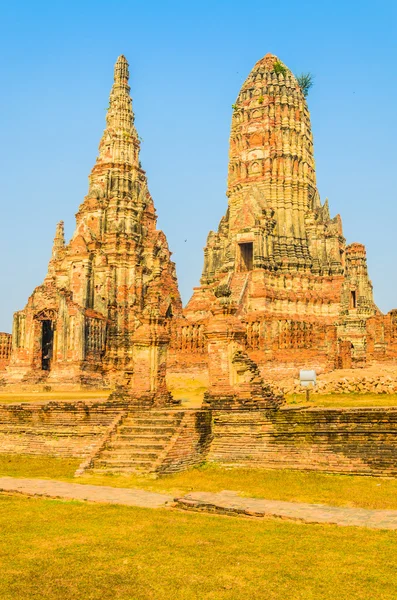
114,463
122,430
136,453
117,446
144,437
145,422
136,470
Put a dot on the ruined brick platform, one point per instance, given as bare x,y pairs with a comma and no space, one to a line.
111,437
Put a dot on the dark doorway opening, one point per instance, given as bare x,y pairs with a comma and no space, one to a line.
353,300
47,342
246,256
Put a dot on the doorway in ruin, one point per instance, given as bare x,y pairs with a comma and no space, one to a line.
246,256
47,343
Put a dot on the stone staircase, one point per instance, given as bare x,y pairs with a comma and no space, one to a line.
140,442
238,286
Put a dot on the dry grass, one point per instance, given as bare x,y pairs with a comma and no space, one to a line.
74,551
40,396
187,388
344,400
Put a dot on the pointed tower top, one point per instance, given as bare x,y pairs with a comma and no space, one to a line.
120,143
121,72
59,243
59,239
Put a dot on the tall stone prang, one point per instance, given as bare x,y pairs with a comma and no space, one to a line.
277,253
114,275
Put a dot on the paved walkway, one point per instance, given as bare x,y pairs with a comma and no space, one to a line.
225,502
231,503
78,491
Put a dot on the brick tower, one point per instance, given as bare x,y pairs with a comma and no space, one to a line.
277,254
112,277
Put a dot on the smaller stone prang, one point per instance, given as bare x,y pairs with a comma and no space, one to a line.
234,379
145,385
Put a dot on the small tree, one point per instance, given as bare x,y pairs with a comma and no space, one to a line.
305,81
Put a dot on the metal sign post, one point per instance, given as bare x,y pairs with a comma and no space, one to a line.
307,380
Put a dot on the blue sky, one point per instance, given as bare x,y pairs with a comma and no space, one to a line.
187,63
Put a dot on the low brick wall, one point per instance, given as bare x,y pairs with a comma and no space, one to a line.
56,428
343,440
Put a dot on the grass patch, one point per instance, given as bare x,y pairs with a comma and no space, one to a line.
15,397
41,467
294,486
75,551
188,388
344,400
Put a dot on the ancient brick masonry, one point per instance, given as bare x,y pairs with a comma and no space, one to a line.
114,276
112,437
304,296
5,349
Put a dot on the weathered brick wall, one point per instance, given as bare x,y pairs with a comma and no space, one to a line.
191,444
57,428
332,440
5,349
361,441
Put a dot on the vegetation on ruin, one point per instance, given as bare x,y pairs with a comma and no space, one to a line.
305,81
279,68
61,550
293,486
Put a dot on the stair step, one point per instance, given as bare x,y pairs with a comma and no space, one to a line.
134,448
142,438
145,429
123,463
150,423
130,453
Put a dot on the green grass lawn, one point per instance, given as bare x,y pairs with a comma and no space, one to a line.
298,486
344,400
56,550
15,397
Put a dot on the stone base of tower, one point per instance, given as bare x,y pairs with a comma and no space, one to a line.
65,377
144,401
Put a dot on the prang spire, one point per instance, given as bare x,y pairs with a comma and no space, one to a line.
59,244
119,143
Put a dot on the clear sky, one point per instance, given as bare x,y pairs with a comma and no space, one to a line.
187,63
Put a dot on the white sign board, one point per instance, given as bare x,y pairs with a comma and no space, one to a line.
307,377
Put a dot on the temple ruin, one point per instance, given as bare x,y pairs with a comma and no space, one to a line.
277,271
304,296
110,292
280,289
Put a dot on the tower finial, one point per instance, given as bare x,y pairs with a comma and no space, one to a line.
59,239
59,243
121,72
120,142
